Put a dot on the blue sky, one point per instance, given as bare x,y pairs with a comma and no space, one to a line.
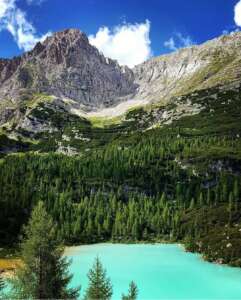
118,28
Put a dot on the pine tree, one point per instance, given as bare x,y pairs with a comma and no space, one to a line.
2,284
44,274
201,200
3,295
236,190
230,206
132,292
192,204
100,286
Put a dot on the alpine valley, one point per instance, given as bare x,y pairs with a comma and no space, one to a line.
147,154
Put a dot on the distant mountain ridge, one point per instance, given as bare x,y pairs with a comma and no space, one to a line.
70,73
66,65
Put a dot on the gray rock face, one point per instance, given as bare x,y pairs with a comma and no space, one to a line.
66,65
216,62
8,67
6,114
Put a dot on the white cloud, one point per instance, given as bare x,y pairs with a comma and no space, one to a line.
178,41
129,44
185,41
170,44
5,5
34,2
231,31
225,32
15,21
237,14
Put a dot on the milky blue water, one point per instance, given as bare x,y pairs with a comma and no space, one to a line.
160,271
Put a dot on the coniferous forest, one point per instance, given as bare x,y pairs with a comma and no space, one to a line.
148,187
44,270
104,144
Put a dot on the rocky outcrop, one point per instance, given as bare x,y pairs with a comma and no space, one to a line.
8,67
214,63
66,65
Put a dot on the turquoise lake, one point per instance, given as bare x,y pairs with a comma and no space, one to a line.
160,271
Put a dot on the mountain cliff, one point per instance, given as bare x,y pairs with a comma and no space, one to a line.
66,73
67,66
215,63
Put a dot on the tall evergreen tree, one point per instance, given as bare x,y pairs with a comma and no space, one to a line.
132,292
44,274
100,287
2,284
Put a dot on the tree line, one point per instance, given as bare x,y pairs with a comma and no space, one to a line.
145,188
44,274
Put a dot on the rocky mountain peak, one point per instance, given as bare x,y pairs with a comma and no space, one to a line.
60,46
67,66
69,35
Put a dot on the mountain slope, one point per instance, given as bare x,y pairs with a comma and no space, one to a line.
214,63
67,66
169,170
66,72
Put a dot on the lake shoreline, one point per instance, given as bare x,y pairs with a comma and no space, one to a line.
158,261
8,266
181,245
69,247
9,263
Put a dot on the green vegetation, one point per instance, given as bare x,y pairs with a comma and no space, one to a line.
10,145
100,286
140,188
132,293
126,183
218,233
104,121
221,114
213,72
2,284
44,270
2,287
